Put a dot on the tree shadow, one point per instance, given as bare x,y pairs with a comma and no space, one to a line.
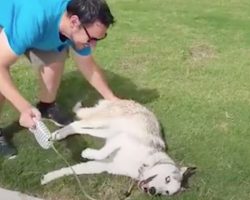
75,88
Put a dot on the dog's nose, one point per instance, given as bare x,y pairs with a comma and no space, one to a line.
152,190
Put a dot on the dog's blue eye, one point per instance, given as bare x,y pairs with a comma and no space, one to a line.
167,179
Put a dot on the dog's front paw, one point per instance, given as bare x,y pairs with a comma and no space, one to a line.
50,177
89,154
56,135
45,179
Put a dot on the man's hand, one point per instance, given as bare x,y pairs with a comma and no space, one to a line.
27,117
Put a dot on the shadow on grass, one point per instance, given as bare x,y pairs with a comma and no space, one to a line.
12,129
74,88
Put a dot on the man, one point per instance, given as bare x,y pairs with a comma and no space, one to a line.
43,30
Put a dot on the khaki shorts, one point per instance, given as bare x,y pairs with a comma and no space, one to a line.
40,58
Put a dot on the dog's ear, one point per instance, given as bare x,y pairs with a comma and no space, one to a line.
186,173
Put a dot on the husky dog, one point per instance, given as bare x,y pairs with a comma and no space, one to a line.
133,147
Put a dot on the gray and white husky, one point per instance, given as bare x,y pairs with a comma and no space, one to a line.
133,147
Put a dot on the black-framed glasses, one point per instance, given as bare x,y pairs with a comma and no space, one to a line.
93,38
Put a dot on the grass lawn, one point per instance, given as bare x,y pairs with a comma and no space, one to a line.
186,60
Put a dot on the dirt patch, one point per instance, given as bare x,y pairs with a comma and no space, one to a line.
136,41
198,56
201,52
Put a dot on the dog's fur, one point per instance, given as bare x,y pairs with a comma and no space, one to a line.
133,147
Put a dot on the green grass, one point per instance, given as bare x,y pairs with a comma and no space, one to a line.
188,61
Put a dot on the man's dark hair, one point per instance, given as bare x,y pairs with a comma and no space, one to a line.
90,11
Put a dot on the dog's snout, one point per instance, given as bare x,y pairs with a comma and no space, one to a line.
152,190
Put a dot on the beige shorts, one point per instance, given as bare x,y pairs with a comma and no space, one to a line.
40,58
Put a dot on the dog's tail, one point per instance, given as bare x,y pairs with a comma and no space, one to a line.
77,107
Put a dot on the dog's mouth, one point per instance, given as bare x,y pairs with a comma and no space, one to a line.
143,185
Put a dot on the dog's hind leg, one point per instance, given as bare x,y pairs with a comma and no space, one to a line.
86,113
97,128
91,167
100,132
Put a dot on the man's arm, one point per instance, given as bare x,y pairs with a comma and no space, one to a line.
94,75
7,87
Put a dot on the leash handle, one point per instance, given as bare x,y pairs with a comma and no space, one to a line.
42,134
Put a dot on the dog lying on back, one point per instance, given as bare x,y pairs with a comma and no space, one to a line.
133,147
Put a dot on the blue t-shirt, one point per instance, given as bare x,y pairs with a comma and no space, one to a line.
34,24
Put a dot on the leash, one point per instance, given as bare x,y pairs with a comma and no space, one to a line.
130,189
74,173
43,137
134,182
